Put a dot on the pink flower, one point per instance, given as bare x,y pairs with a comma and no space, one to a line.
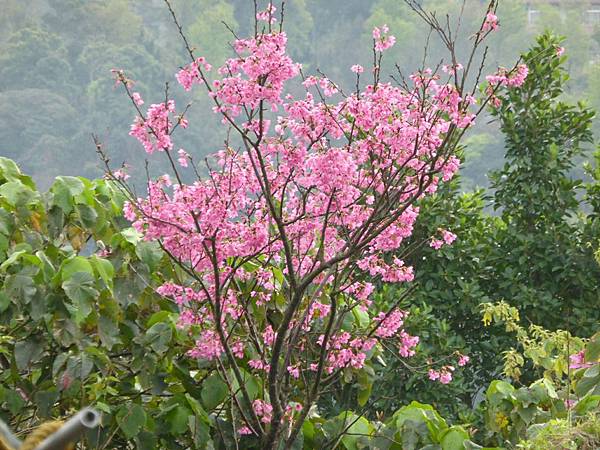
153,131
491,22
463,360
137,98
578,361
448,237
383,41
294,371
389,324
183,157
190,74
268,15
269,335
244,431
515,78
433,375
436,244
445,376
560,51
207,347
121,174
263,410
357,68
451,70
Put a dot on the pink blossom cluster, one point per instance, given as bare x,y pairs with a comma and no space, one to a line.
357,68
183,157
491,22
153,132
268,15
121,174
389,324
328,189
444,375
447,238
190,74
208,346
407,344
577,361
263,410
452,69
344,350
257,75
382,39
508,78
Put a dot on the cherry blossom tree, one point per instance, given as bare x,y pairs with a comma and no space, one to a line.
286,229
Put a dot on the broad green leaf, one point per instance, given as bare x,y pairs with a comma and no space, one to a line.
80,288
87,215
76,264
9,169
361,317
64,189
17,194
104,269
20,287
353,427
46,265
4,301
419,412
200,431
79,367
586,404
453,438
592,349
149,253
177,419
14,401
131,235
28,352
131,419
196,407
108,330
44,400
160,316
214,391
13,258
158,337
146,441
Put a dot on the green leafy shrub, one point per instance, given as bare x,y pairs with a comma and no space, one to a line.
80,323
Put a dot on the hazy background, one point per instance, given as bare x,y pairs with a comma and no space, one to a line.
56,55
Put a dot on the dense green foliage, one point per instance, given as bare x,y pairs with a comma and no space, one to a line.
78,329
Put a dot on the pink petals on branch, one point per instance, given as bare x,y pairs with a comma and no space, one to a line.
257,75
383,40
447,238
190,74
513,78
334,165
491,22
268,15
357,68
153,132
